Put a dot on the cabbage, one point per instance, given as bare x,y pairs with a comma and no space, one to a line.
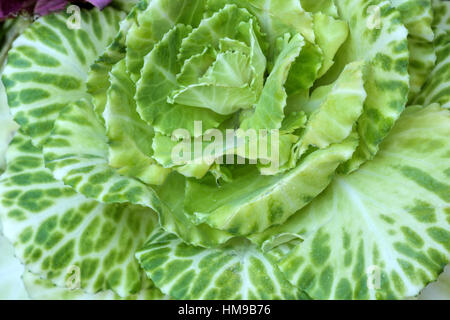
228,149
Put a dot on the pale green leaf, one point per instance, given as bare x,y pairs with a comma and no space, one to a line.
417,17
269,112
382,232
437,87
383,44
42,289
336,116
154,19
237,270
48,64
54,229
129,137
222,100
157,82
7,127
272,198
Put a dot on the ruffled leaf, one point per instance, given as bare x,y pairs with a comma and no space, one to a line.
159,80
153,22
238,270
384,46
274,198
130,147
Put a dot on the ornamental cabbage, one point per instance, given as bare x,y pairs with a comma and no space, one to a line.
228,149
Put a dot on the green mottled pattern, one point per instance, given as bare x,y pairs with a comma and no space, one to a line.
237,270
7,126
437,87
350,227
422,59
10,29
97,82
53,228
47,66
335,118
42,289
418,17
77,154
386,75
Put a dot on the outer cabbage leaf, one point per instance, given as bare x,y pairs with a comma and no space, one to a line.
10,268
47,66
418,17
53,228
335,117
350,233
7,127
98,76
437,87
422,59
386,80
154,20
9,31
237,270
325,6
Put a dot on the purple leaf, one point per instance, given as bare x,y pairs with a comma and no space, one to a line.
12,7
44,7
40,7
99,3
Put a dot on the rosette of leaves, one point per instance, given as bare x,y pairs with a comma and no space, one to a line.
360,183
